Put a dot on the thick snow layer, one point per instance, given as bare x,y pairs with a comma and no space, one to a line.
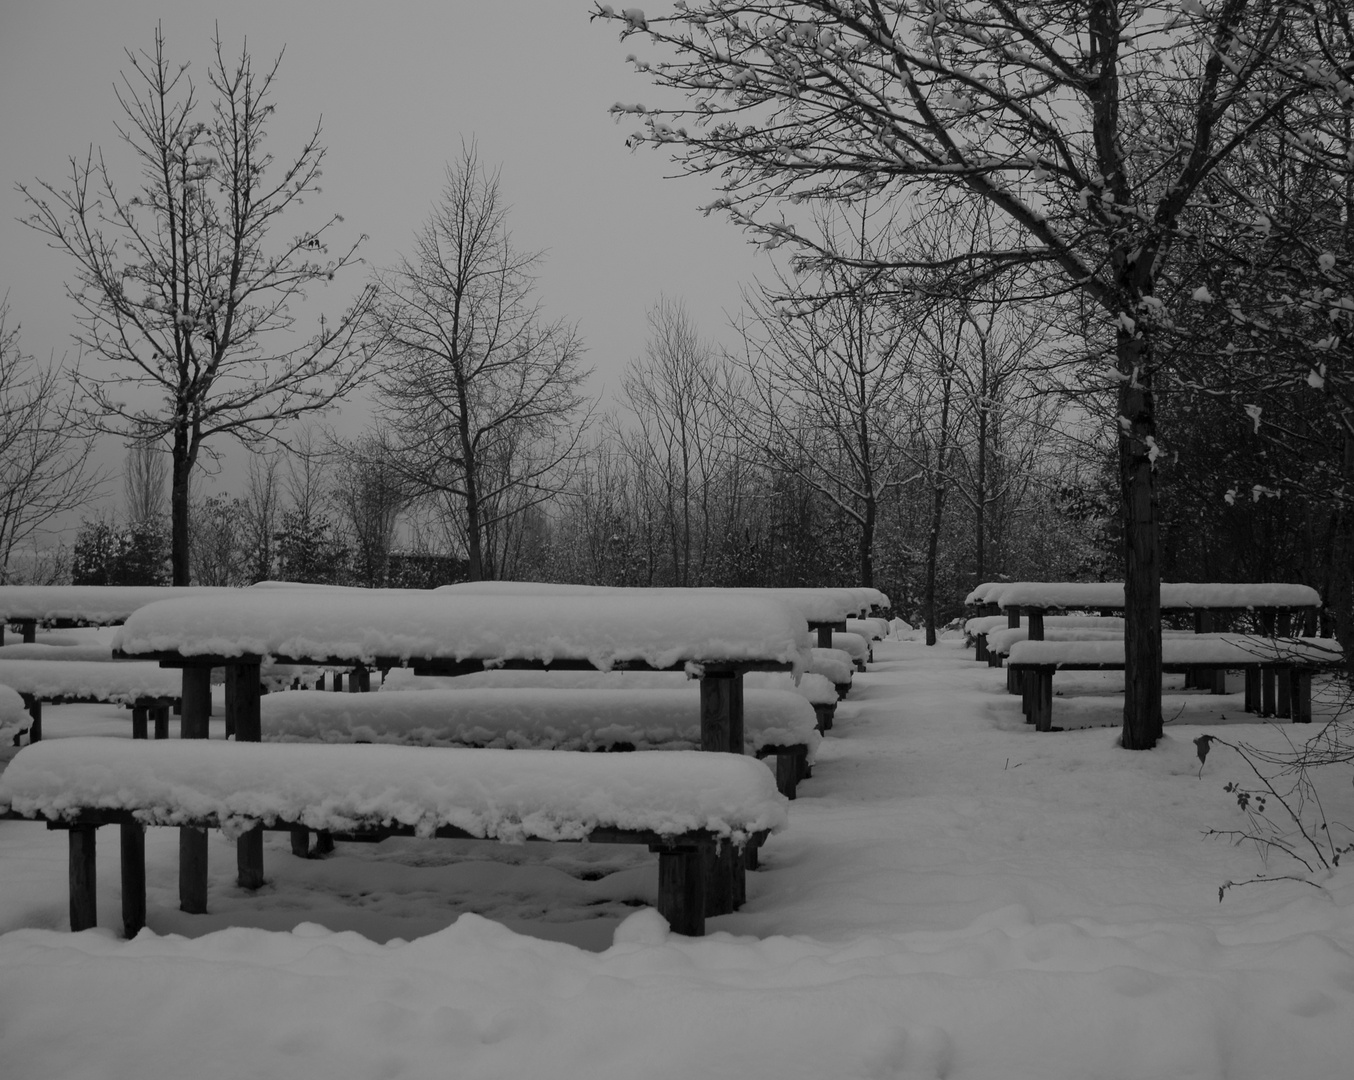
1000,641
93,604
1181,595
872,629
855,646
986,593
498,794
985,624
834,664
352,625
956,895
120,681
816,605
817,689
869,597
47,651
1181,649
542,719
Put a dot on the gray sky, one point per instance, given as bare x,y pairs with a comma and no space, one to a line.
398,85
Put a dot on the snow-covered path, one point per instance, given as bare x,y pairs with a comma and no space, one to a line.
956,896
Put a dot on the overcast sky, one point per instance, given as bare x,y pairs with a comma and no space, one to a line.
398,85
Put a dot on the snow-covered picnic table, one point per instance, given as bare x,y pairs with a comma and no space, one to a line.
824,610
681,804
713,637
1041,596
83,605
1292,660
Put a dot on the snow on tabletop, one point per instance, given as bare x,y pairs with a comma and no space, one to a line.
600,629
1183,649
815,605
97,604
500,794
121,682
871,628
832,663
1180,594
1000,640
870,597
856,646
44,651
986,593
545,719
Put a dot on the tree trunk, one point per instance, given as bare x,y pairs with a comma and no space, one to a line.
1142,561
178,510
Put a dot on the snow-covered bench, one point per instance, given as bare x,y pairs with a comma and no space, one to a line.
818,690
835,665
29,606
777,724
1295,659
681,804
981,631
143,687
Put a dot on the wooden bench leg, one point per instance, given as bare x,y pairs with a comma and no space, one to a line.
300,842
28,630
681,889
1252,674
84,907
133,878
1268,701
192,870
1218,684
324,843
1302,697
1041,699
1283,686
787,772
824,714
161,721
139,730
249,859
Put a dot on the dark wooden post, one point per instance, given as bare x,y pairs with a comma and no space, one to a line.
300,842
1302,697
1267,689
243,693
1283,684
721,701
1252,674
161,713
194,724
1034,621
338,682
824,635
1012,622
139,729
681,889
28,629
84,907
359,682
133,877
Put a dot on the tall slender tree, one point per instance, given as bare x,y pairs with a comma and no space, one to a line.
184,290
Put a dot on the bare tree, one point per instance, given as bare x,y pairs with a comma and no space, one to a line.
681,397
829,355
44,465
479,395
371,493
144,473
181,290
1091,127
260,511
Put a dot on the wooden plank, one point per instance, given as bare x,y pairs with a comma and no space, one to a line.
84,906
133,838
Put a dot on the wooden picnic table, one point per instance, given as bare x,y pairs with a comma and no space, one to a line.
29,606
716,638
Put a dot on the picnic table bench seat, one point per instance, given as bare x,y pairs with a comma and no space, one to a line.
777,724
681,804
138,685
835,665
980,630
1296,659
817,690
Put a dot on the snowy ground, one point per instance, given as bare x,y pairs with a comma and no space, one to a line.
956,896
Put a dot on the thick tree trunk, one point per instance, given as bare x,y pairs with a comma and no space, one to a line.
178,510
1142,561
